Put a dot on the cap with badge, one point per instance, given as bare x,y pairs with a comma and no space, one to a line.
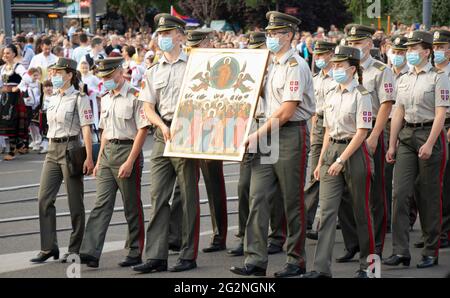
278,20
166,22
441,37
357,32
344,53
107,66
256,40
195,37
416,37
398,42
64,63
322,47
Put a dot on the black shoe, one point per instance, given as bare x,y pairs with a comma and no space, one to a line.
290,270
237,251
273,249
151,266
427,262
348,257
66,256
214,247
444,243
338,226
248,270
130,261
42,256
315,274
361,274
90,261
396,260
173,247
183,265
313,235
419,244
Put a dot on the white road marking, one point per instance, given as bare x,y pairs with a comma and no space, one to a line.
16,172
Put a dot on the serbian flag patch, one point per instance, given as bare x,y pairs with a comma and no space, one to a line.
367,117
388,88
445,94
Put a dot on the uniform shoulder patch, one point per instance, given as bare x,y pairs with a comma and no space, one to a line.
378,65
362,90
435,69
316,74
292,62
151,65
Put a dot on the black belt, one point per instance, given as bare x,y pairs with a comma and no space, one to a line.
167,123
419,125
447,121
64,139
294,123
120,142
342,141
319,116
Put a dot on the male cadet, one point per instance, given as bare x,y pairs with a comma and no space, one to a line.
323,84
441,47
379,81
162,84
277,237
212,171
119,165
289,94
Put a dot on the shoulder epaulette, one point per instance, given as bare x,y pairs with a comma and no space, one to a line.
316,74
435,69
362,90
151,65
378,65
104,94
292,62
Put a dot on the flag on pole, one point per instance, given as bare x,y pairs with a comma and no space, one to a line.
189,21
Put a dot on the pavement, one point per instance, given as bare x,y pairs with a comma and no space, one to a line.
19,232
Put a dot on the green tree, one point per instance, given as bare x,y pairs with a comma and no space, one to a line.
410,11
136,10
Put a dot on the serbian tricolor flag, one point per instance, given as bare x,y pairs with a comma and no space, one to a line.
189,21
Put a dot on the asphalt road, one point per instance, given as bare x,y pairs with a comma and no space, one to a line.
19,231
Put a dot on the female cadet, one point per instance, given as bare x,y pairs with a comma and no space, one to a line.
12,111
68,113
423,98
344,161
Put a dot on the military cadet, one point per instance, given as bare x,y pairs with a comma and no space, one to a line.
119,165
161,93
422,102
378,80
68,114
323,83
289,94
212,171
345,161
441,47
277,236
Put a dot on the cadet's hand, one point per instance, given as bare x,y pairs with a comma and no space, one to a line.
425,151
335,169
125,170
390,155
94,172
251,143
166,133
317,172
448,135
88,166
372,144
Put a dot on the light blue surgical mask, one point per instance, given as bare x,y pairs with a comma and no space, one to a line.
340,75
110,85
165,43
439,57
320,63
397,60
57,82
413,58
273,44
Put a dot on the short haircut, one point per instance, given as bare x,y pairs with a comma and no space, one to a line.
83,38
96,41
47,41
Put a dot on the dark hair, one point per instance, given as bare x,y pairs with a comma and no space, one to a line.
58,50
21,39
83,38
96,41
13,48
130,50
47,83
47,41
75,81
427,46
359,72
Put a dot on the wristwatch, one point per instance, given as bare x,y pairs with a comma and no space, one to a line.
340,161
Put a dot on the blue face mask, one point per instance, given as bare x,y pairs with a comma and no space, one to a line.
320,63
57,82
110,84
273,44
397,60
439,57
165,43
413,58
340,75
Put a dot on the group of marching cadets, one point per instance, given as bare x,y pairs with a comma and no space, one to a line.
369,122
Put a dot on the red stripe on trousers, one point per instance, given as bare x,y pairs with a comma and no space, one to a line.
197,217
368,182
223,201
441,181
383,191
139,202
302,193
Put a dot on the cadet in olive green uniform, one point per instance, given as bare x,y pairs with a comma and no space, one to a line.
345,162
289,94
119,165
379,81
212,171
323,83
441,47
277,237
161,92
68,114
422,102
